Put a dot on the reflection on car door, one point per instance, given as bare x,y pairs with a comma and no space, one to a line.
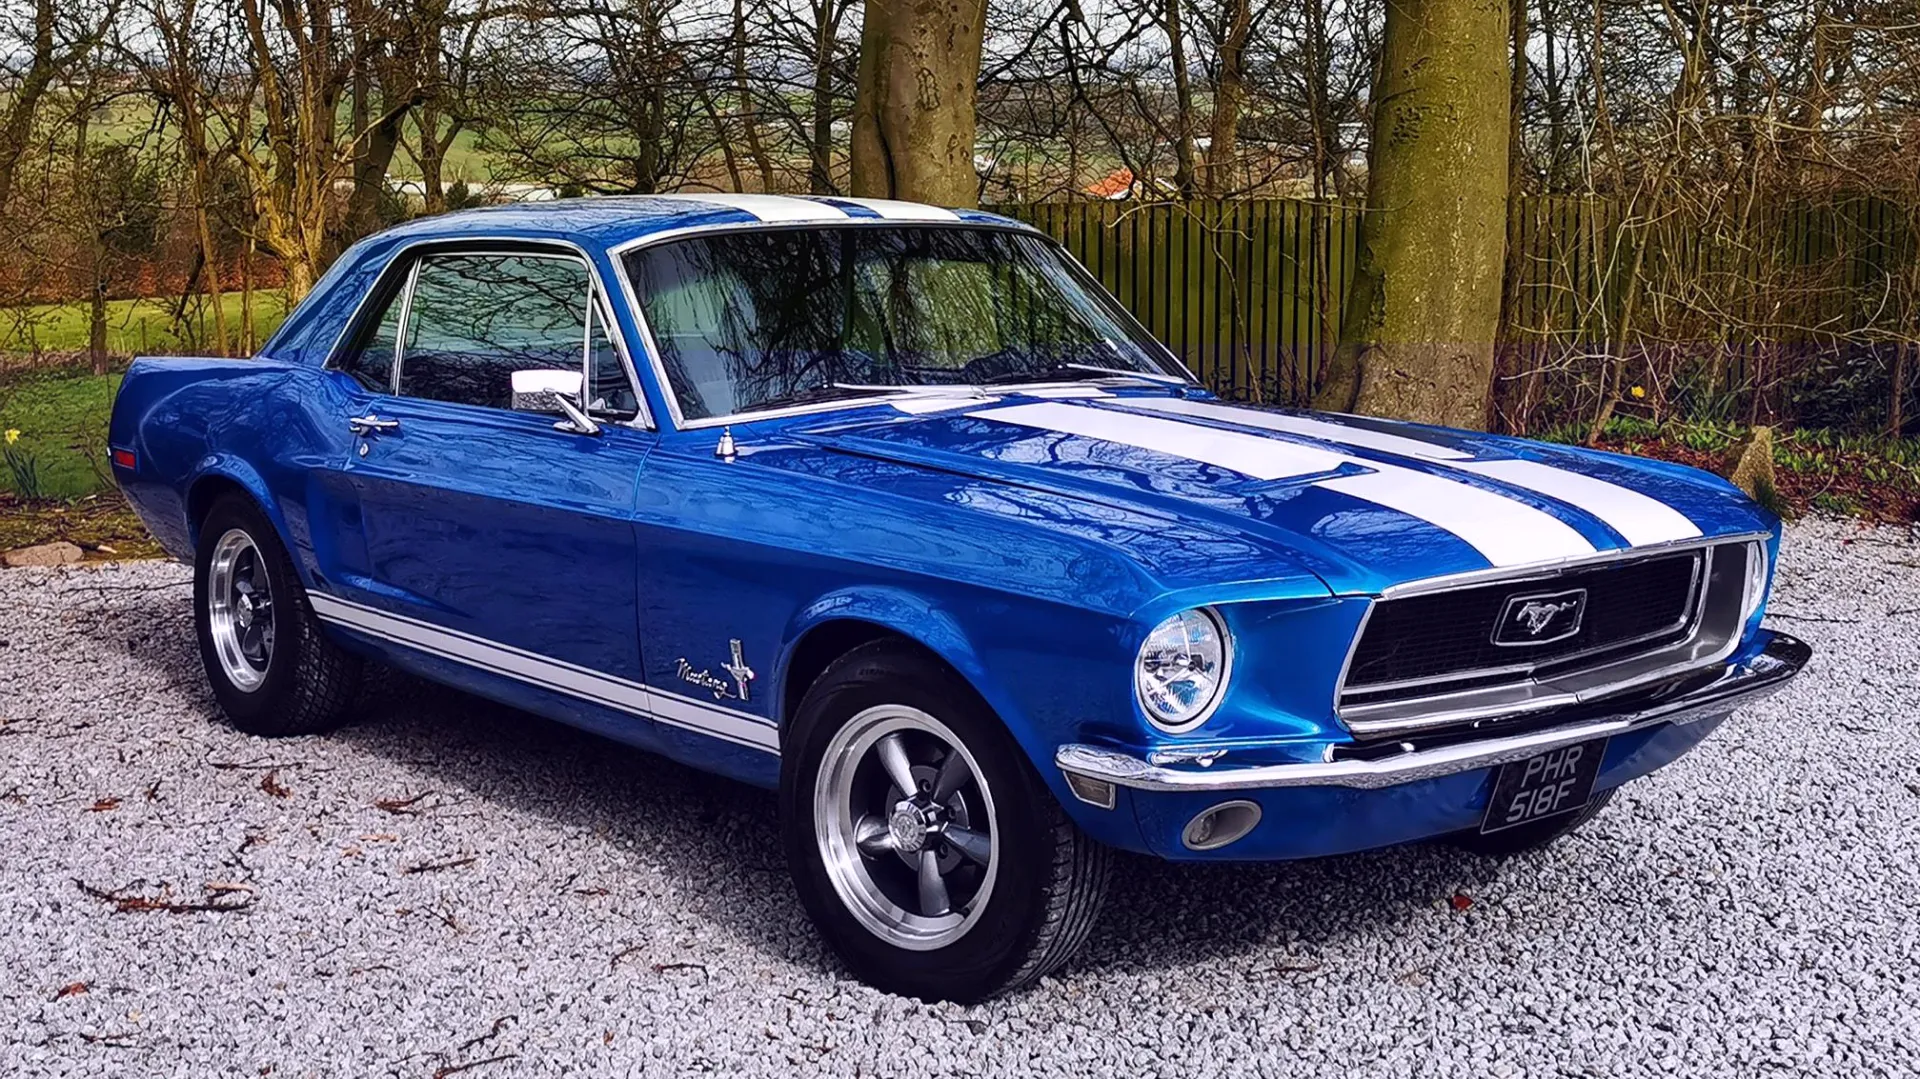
482,520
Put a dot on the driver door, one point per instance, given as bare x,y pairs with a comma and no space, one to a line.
477,532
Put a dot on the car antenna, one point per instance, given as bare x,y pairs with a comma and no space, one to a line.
725,450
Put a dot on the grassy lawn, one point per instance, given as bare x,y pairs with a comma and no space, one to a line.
60,451
134,327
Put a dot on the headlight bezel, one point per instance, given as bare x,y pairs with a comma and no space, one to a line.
1753,599
1206,711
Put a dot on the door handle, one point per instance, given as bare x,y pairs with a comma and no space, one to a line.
370,424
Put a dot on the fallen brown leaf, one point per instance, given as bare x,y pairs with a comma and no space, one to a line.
71,989
104,805
272,785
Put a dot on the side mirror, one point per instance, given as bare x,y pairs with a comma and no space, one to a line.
547,390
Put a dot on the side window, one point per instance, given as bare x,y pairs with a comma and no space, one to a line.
476,319
371,362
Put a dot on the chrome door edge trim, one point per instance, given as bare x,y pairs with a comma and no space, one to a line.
1738,684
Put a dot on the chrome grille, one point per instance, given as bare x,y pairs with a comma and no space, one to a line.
1432,656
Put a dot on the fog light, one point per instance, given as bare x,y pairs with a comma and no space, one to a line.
1221,825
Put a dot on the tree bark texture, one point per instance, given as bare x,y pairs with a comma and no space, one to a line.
1422,312
913,114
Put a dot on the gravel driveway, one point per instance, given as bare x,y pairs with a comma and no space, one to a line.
449,887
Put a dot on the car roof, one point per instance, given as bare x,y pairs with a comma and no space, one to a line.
612,221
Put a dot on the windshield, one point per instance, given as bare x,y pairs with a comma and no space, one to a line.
772,317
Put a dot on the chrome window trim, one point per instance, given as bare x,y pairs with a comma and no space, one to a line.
617,253
407,254
1527,696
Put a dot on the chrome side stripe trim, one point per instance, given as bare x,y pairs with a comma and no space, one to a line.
740,728
1252,455
1639,518
1305,426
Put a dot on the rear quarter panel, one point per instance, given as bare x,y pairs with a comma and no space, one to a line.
197,423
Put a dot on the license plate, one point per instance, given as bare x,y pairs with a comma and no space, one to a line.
1544,785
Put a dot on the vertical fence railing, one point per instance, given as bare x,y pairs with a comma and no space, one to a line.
1249,293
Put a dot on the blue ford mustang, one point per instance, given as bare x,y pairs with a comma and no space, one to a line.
893,509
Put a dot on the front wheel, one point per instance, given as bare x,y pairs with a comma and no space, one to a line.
922,844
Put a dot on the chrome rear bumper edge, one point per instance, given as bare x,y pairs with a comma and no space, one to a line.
1737,684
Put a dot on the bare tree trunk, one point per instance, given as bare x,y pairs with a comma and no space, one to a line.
1425,300
826,29
913,115
1229,97
1507,358
749,115
1183,156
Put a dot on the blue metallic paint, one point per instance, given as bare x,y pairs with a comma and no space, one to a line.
1032,563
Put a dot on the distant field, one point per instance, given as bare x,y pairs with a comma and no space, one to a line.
62,440
133,326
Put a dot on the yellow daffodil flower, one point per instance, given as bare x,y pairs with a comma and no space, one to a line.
13,435
1638,392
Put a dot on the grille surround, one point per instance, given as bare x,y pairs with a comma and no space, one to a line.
1442,638
1551,679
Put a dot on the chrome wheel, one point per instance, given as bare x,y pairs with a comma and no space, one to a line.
240,610
906,827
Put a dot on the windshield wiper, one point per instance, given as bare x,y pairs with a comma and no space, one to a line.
826,391
928,389
1060,371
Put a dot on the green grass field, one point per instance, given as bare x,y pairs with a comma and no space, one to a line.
60,450
134,327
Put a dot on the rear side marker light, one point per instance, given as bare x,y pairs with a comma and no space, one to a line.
124,459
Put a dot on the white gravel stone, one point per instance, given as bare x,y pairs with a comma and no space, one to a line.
1753,909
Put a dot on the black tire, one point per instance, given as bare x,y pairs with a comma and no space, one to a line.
1051,877
1530,837
308,681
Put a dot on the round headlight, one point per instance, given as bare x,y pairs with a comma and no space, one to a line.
1182,670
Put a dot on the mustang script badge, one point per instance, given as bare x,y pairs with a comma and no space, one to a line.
713,683
1540,619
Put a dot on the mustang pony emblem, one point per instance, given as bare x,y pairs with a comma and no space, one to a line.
1536,615
713,683
1541,619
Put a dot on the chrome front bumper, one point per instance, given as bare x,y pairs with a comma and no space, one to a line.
1702,696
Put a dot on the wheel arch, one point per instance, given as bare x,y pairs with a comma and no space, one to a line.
840,623
226,475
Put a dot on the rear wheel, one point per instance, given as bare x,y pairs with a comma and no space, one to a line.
269,664
1533,836
924,847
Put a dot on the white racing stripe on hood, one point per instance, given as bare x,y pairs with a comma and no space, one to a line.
1301,425
1637,517
766,207
1252,455
1505,531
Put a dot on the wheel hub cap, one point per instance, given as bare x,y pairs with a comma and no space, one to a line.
909,825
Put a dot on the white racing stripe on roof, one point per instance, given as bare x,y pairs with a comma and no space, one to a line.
1505,532
1302,425
1252,455
897,210
766,207
1639,518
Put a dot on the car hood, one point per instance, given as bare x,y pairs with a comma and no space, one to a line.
1364,504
